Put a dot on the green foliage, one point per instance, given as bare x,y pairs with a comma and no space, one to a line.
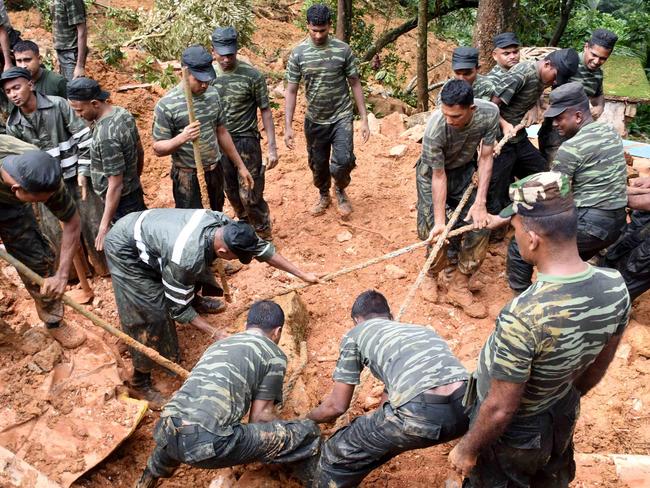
148,71
456,26
173,25
639,127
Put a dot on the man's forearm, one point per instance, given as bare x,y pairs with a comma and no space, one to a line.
596,370
491,422
82,45
291,94
484,174
357,93
439,196
327,411
140,156
280,262
269,128
113,195
6,47
168,146
69,245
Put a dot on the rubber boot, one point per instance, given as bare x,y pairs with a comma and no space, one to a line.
69,336
324,201
147,480
205,305
142,389
459,295
429,290
344,205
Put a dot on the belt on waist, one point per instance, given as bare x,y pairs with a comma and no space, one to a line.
193,170
440,399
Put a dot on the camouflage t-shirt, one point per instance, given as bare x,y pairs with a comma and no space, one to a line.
66,15
594,162
549,335
242,91
326,70
408,359
519,90
496,74
222,386
114,151
591,81
483,88
171,117
444,146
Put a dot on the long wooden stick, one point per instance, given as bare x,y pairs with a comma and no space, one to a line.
200,175
147,351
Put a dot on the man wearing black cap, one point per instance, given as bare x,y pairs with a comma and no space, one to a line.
243,90
173,134
590,75
116,153
30,176
551,345
516,93
464,64
592,158
157,257
50,124
505,54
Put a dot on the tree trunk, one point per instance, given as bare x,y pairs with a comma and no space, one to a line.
391,35
344,20
491,19
565,13
422,65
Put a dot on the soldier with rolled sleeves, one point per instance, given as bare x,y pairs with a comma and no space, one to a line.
451,140
590,75
329,69
551,345
464,64
158,259
505,55
592,158
242,90
202,424
28,175
421,406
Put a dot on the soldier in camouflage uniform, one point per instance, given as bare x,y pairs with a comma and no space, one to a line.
28,175
328,68
443,173
593,160
464,64
70,34
505,54
173,134
7,35
158,259
202,424
596,51
551,345
518,91
243,90
422,401
47,82
116,153
49,123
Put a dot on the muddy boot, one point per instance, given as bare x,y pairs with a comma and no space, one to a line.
142,389
459,295
69,336
345,207
147,480
429,290
475,283
205,305
324,201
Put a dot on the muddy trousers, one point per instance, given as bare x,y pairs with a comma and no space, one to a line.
24,240
187,192
597,229
517,160
249,206
467,251
375,438
533,452
631,254
67,62
335,140
280,441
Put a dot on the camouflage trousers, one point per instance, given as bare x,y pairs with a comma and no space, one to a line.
467,251
249,206
533,452
336,140
67,62
375,438
140,299
549,140
24,240
597,229
280,441
90,210
187,192
630,255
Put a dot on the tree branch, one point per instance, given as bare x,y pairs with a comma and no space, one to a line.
565,13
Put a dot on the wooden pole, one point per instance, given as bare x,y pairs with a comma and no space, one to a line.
141,348
200,174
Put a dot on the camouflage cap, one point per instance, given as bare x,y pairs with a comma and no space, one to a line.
540,195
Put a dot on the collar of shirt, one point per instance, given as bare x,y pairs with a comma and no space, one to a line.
17,116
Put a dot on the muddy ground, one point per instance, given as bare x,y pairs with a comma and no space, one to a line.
614,416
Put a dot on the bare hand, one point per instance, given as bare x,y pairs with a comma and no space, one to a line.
478,215
192,131
82,181
462,462
273,159
246,178
311,278
494,221
365,131
435,232
507,128
54,286
99,240
641,182
597,111
288,138
78,72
